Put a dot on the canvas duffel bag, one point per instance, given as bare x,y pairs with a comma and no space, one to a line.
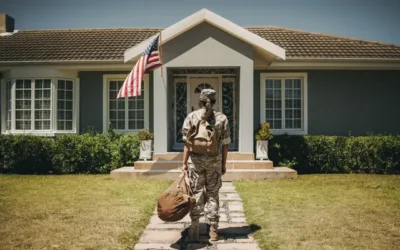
176,201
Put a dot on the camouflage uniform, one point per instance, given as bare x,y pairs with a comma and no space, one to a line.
205,171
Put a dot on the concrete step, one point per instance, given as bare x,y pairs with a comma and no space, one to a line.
230,164
231,174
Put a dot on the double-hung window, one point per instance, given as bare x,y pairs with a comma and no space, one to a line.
128,114
284,102
40,106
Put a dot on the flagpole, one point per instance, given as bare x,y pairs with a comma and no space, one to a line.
160,51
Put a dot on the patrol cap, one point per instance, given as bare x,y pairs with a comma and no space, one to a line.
207,94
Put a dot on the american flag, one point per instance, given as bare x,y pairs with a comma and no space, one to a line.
149,60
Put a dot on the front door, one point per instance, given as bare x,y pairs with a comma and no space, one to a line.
199,83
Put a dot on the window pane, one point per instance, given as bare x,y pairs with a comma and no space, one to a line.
68,85
68,105
68,125
65,105
277,124
121,125
297,104
297,83
61,84
38,94
68,95
61,94
297,123
19,94
277,114
38,84
289,113
269,114
297,113
60,125
289,123
61,115
269,84
121,104
113,115
121,115
27,84
47,84
46,94
277,104
288,83
293,101
269,104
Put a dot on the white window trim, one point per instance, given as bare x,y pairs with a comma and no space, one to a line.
53,122
119,77
303,76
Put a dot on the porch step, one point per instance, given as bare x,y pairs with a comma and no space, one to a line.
178,156
230,175
177,164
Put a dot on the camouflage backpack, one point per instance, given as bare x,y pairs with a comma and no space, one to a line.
203,140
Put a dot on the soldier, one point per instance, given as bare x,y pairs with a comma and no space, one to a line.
205,171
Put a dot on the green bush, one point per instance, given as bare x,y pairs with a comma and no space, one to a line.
25,154
67,154
337,154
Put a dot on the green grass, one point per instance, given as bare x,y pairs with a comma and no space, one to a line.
324,212
74,212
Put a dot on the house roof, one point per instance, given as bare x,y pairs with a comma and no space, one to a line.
262,46
110,45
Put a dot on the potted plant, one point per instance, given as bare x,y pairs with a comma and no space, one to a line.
146,140
263,135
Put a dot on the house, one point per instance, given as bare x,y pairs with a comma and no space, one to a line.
65,81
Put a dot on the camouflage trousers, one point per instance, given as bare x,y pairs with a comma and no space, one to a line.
205,175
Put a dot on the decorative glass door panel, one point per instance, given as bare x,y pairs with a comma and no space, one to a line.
197,84
187,89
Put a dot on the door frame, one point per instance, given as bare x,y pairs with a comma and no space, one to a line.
179,146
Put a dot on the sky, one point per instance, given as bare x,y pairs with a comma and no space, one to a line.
376,20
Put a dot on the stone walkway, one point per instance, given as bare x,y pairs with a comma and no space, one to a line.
233,229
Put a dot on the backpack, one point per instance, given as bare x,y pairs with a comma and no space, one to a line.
203,140
176,201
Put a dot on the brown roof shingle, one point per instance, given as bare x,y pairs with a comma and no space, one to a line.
110,44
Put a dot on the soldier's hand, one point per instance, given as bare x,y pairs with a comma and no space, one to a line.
223,169
184,167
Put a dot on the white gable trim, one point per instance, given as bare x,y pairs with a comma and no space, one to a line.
205,15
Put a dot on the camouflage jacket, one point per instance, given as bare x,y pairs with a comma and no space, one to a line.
219,122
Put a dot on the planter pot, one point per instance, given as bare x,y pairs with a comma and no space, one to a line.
262,150
145,149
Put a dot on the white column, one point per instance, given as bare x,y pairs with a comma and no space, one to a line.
160,120
246,112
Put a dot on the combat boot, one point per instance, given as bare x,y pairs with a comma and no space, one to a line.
194,231
214,232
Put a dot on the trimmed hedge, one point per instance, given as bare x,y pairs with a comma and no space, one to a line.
92,153
378,154
68,154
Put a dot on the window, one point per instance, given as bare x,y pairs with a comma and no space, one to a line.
127,114
284,102
42,105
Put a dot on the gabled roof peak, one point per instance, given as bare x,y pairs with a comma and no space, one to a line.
204,15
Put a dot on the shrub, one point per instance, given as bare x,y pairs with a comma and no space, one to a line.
25,154
145,134
338,154
264,132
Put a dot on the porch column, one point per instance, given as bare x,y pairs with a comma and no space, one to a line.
246,85
160,119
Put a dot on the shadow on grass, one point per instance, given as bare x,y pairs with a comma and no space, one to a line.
226,235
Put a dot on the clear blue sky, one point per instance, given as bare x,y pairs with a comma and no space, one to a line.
377,20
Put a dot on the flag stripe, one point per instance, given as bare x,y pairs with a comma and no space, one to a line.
149,60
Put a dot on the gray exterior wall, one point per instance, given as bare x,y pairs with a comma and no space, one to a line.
91,100
203,46
342,102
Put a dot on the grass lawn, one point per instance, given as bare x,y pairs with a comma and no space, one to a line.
74,212
324,212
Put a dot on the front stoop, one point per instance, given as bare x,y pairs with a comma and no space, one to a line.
240,166
234,231
230,175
